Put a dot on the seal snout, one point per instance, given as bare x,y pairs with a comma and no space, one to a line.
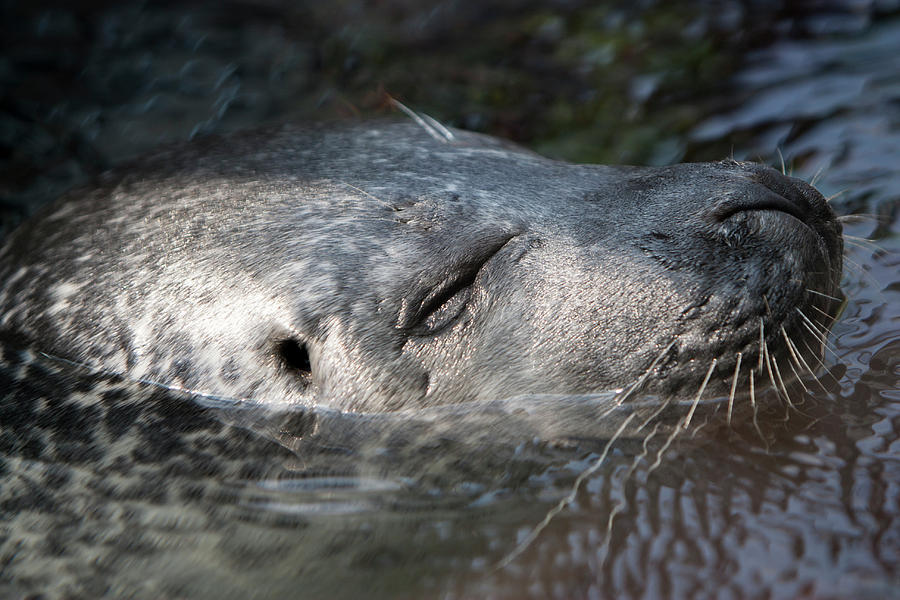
764,189
775,204
758,198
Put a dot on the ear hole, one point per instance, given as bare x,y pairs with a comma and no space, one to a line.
294,356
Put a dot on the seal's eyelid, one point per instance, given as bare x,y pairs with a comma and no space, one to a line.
446,301
428,315
294,356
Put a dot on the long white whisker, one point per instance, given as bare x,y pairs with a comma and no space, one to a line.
818,293
811,327
762,341
836,195
815,177
620,506
663,449
562,504
430,125
818,334
780,379
795,361
655,414
755,411
820,363
799,355
646,374
690,415
823,313
768,356
861,242
865,274
734,381
365,193
769,361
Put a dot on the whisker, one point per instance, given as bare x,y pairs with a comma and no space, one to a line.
874,283
643,378
444,130
824,314
781,157
620,506
663,449
850,243
811,327
799,355
819,325
824,342
770,370
818,293
690,414
655,414
433,127
678,427
821,365
861,242
793,405
818,334
857,266
562,504
755,411
762,340
365,193
793,354
815,177
858,218
734,381
787,396
836,195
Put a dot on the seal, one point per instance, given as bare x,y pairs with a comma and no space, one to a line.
385,266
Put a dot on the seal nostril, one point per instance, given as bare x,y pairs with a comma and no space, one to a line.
758,200
294,355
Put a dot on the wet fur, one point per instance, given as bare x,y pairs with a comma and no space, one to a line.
151,324
392,266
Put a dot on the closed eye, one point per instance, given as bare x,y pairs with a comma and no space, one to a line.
439,306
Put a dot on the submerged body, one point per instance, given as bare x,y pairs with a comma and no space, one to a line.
385,266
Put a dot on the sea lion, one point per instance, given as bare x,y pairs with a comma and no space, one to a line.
385,266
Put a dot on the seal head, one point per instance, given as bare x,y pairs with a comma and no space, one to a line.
377,267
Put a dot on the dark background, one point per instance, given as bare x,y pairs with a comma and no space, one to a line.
87,85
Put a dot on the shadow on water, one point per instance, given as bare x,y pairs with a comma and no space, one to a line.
185,497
